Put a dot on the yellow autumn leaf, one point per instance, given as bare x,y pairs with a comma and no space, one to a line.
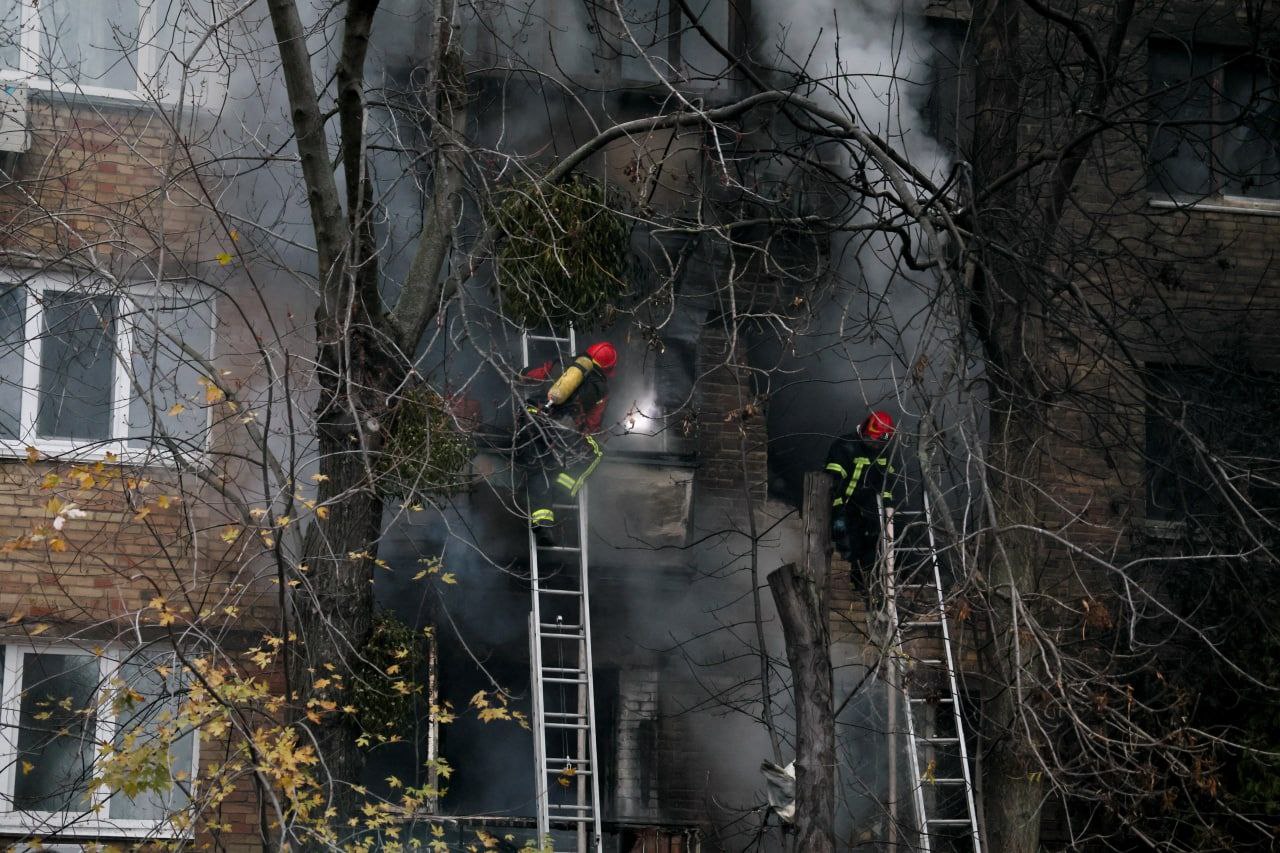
224,258
164,501
37,630
57,545
50,480
175,410
448,577
320,478
142,513
27,767
212,393
230,534
33,454
235,235
322,512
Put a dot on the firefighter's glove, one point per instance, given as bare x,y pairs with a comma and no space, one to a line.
840,526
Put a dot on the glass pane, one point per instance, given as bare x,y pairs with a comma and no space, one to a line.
166,392
1251,145
10,33
12,316
1179,154
55,733
76,366
647,25
702,62
147,709
90,43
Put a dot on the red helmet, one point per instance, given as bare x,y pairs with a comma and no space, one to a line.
603,354
878,426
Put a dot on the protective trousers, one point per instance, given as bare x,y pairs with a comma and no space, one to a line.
859,541
557,462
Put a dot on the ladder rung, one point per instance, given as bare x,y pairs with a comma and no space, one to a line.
559,626
922,623
542,591
567,818
548,338
573,507
577,807
565,726
568,715
564,681
941,700
554,636
940,780
561,670
559,548
948,821
551,771
938,740
562,761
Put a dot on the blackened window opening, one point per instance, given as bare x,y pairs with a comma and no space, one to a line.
1210,446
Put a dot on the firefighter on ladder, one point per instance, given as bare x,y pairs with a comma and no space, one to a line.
558,458
859,462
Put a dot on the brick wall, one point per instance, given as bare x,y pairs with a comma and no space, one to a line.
105,187
103,184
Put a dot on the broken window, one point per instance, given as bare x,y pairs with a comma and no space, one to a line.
1210,444
1215,122
949,100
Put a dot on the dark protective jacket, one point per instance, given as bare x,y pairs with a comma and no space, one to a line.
861,469
588,403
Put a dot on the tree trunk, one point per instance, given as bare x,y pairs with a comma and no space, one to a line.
800,597
333,603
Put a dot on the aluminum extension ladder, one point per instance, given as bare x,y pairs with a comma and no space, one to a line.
938,757
567,783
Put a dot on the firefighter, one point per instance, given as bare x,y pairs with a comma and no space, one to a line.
559,458
859,462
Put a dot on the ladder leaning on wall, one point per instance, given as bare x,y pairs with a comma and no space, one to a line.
567,784
941,781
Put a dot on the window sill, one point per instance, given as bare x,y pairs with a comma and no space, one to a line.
1159,529
69,93
101,451
1219,204
63,826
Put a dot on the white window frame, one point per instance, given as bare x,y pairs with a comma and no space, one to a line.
148,62
118,442
90,823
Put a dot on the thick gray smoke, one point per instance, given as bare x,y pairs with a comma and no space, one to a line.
665,611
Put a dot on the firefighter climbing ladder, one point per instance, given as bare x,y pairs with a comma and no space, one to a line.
941,780
564,715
